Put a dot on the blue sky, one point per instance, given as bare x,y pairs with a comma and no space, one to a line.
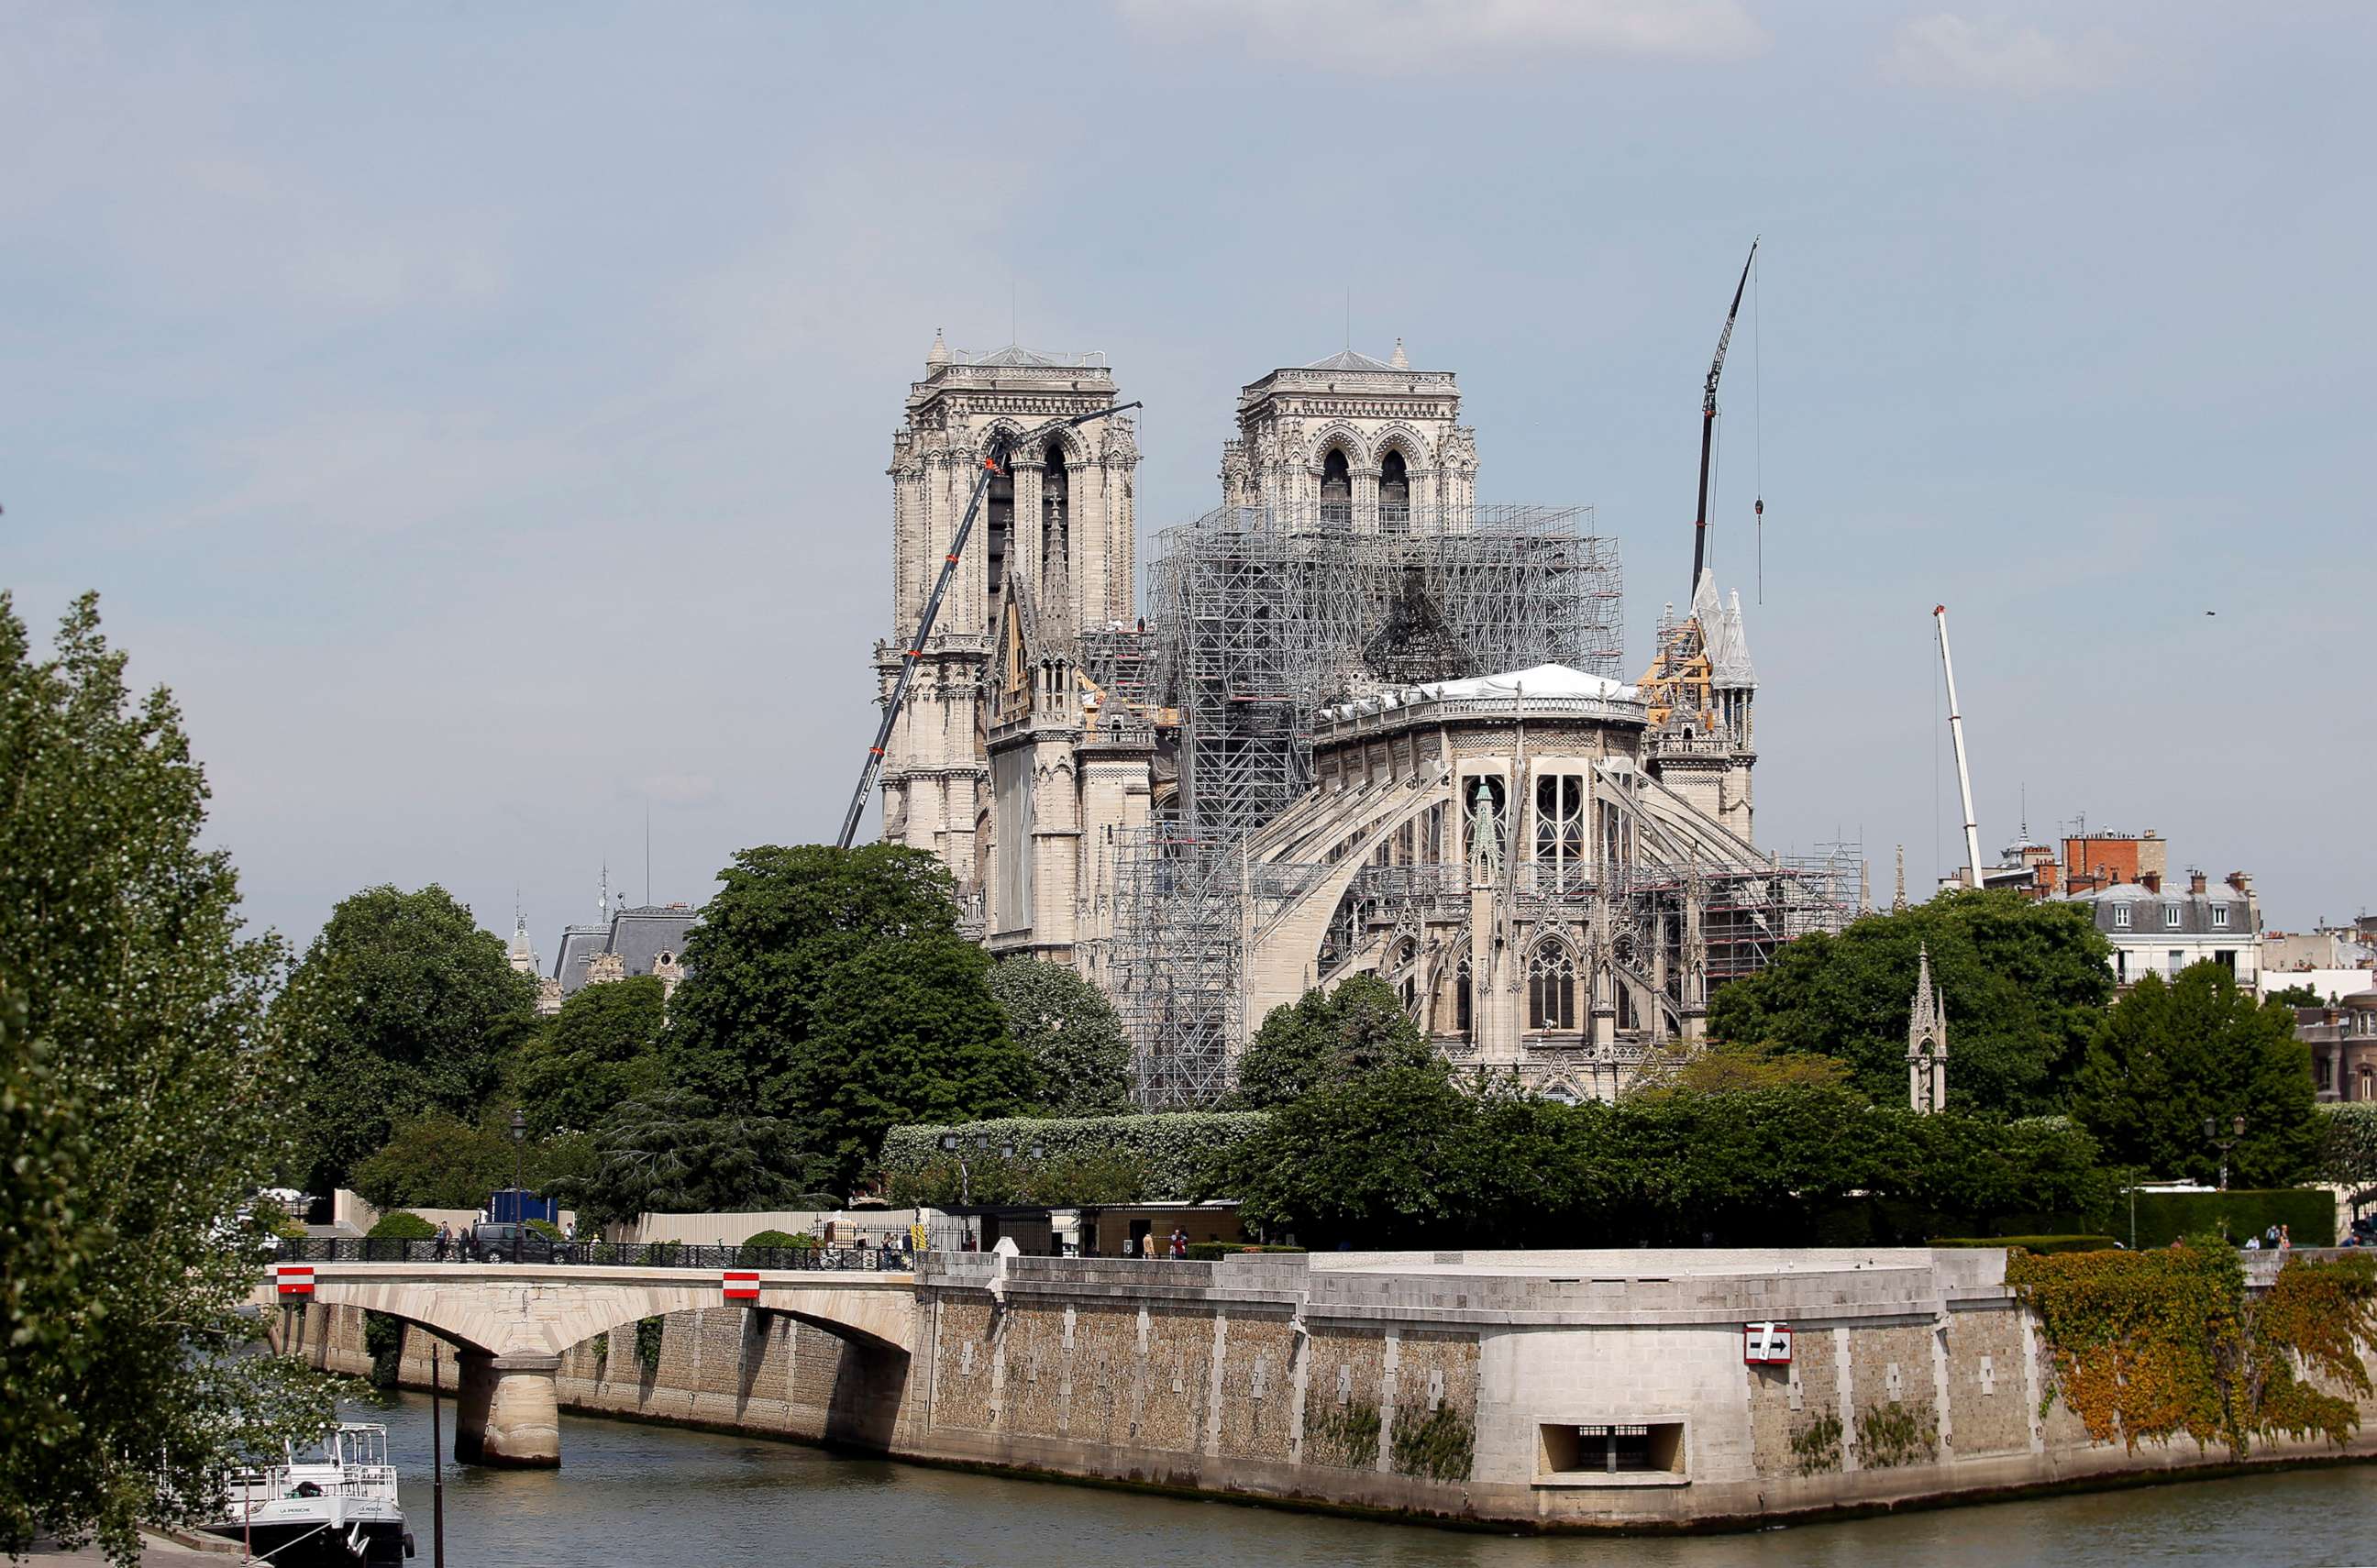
478,415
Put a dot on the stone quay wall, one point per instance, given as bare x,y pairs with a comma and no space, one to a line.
1447,1385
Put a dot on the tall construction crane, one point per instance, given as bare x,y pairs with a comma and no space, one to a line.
1708,422
994,462
1963,774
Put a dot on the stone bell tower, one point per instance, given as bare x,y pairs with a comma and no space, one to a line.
1055,531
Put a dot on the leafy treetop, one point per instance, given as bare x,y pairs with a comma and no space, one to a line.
1327,1037
141,1100
403,1005
1080,1058
601,1050
742,1023
910,1033
2023,985
2173,1054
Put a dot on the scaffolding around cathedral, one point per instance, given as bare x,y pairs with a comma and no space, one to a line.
1263,615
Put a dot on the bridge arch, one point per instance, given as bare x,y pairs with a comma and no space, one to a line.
513,1324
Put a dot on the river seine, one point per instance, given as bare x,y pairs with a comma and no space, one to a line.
641,1496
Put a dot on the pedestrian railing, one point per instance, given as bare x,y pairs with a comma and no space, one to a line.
615,1254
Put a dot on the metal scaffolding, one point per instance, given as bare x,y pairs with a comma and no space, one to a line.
1261,616
1264,614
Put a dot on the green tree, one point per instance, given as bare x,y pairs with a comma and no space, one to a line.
2297,995
2172,1054
1326,1037
140,1109
1384,1160
1080,1058
910,1033
1725,1069
402,1006
2347,1148
601,1050
742,1024
677,1152
2025,985
439,1161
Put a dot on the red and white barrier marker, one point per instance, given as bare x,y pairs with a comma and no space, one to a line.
294,1279
741,1284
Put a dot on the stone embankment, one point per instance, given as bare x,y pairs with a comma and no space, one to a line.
1553,1390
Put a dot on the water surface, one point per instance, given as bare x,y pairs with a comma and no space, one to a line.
655,1497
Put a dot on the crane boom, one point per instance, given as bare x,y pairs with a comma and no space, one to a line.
1956,734
1002,447
1708,419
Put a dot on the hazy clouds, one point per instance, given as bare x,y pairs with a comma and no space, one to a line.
479,417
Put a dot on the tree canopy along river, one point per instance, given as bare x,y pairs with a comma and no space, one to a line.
635,1496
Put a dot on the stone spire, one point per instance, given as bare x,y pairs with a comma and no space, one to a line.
1898,898
1401,361
938,354
1926,1041
523,954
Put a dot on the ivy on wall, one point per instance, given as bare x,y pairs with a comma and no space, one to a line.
1890,1435
1433,1445
2146,1345
1345,1436
1817,1445
649,1331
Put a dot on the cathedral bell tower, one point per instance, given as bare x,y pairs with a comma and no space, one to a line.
1055,535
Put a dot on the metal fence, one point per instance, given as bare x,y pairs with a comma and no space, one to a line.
534,1248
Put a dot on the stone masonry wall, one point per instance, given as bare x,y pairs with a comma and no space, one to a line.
1342,1395
1431,1393
1990,1408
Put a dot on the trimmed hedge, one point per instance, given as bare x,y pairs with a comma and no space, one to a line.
1171,1150
402,1224
2309,1213
2032,1243
779,1239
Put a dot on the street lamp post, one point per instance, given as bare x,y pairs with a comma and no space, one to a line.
2212,1135
965,1180
519,1193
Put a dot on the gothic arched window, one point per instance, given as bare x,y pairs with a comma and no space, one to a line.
1054,529
1551,987
1560,831
1000,502
1394,494
1461,1021
1336,490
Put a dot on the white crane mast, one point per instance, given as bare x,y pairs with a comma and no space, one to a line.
1956,734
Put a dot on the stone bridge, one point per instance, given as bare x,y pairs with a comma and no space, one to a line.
512,1323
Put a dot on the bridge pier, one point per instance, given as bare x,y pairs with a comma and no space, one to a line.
510,1411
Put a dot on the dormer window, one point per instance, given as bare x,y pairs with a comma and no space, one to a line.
2121,917
2170,917
2220,916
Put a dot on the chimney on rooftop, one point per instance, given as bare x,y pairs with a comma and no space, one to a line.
2195,881
2153,880
2241,880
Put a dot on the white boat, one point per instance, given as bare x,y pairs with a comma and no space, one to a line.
332,1501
